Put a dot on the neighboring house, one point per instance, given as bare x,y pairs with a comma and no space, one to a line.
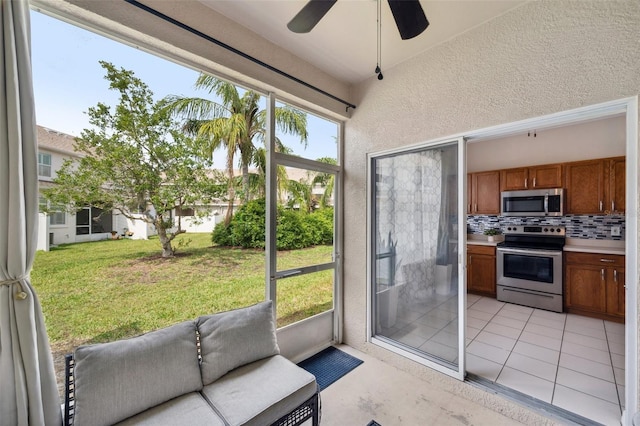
89,223
92,224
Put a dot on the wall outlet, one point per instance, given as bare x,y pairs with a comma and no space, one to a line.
615,231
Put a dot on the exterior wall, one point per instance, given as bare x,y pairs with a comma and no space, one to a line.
541,58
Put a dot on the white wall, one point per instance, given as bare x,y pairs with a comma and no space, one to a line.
541,58
593,139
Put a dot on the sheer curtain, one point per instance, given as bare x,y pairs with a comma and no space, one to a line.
28,391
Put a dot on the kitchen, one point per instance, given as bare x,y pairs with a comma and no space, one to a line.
546,297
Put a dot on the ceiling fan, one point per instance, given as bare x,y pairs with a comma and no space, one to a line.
408,14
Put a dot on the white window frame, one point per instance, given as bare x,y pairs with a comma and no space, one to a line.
42,165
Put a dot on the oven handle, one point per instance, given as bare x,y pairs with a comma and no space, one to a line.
528,251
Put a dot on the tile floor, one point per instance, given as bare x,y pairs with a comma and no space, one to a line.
571,361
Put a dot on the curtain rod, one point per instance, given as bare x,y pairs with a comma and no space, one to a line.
236,51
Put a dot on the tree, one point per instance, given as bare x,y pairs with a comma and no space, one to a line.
234,124
136,161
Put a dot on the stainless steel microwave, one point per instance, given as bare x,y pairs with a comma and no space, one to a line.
535,202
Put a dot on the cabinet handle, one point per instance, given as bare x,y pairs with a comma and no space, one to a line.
534,182
607,260
475,207
615,275
526,183
613,206
601,205
470,259
602,274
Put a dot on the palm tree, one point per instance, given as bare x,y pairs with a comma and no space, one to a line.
234,124
326,180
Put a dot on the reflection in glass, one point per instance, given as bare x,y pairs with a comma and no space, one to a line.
415,272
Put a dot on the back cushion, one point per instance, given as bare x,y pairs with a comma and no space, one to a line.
231,339
116,380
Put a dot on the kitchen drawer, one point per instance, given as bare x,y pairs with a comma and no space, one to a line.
478,249
594,259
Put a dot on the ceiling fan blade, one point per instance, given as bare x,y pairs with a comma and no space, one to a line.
409,16
310,15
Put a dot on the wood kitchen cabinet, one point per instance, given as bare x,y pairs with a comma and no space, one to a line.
595,186
536,177
617,184
595,285
484,192
481,270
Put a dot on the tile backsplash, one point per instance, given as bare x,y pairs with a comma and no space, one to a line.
593,227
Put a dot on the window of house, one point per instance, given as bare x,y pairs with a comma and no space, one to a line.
44,164
57,216
184,211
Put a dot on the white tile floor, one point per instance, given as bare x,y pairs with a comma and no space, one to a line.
571,361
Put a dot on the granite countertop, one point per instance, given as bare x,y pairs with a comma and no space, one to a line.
572,244
595,246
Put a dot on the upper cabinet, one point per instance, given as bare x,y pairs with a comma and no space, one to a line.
617,184
591,187
536,177
595,186
484,192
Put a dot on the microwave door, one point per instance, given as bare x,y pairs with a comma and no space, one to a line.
523,206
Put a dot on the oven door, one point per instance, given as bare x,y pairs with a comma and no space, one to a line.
538,270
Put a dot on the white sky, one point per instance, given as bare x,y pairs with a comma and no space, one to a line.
68,79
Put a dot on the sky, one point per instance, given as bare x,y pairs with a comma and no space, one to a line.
68,79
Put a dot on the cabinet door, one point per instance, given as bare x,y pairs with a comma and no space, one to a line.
615,292
585,187
481,277
547,176
585,288
514,179
469,193
617,185
486,192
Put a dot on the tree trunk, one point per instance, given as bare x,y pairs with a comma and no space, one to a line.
167,250
230,190
245,181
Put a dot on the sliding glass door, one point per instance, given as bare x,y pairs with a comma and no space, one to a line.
417,230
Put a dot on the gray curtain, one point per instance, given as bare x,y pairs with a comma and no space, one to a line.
28,391
447,216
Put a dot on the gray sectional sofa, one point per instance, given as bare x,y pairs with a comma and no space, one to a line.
222,369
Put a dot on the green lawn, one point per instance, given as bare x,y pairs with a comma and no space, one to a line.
101,291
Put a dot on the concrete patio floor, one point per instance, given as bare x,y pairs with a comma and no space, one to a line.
378,391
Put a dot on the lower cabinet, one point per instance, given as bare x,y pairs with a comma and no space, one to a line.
595,285
481,270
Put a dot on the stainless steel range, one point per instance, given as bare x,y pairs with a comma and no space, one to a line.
529,266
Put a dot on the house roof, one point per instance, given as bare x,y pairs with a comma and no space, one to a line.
52,140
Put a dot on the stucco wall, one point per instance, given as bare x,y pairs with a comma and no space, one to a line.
540,58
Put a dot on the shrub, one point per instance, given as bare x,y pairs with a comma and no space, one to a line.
295,230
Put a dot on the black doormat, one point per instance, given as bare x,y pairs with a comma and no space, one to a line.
330,365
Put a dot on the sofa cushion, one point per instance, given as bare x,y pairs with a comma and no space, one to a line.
231,339
261,392
190,409
114,381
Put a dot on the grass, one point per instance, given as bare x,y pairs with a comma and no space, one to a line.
102,291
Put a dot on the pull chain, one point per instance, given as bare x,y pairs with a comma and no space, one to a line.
378,69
